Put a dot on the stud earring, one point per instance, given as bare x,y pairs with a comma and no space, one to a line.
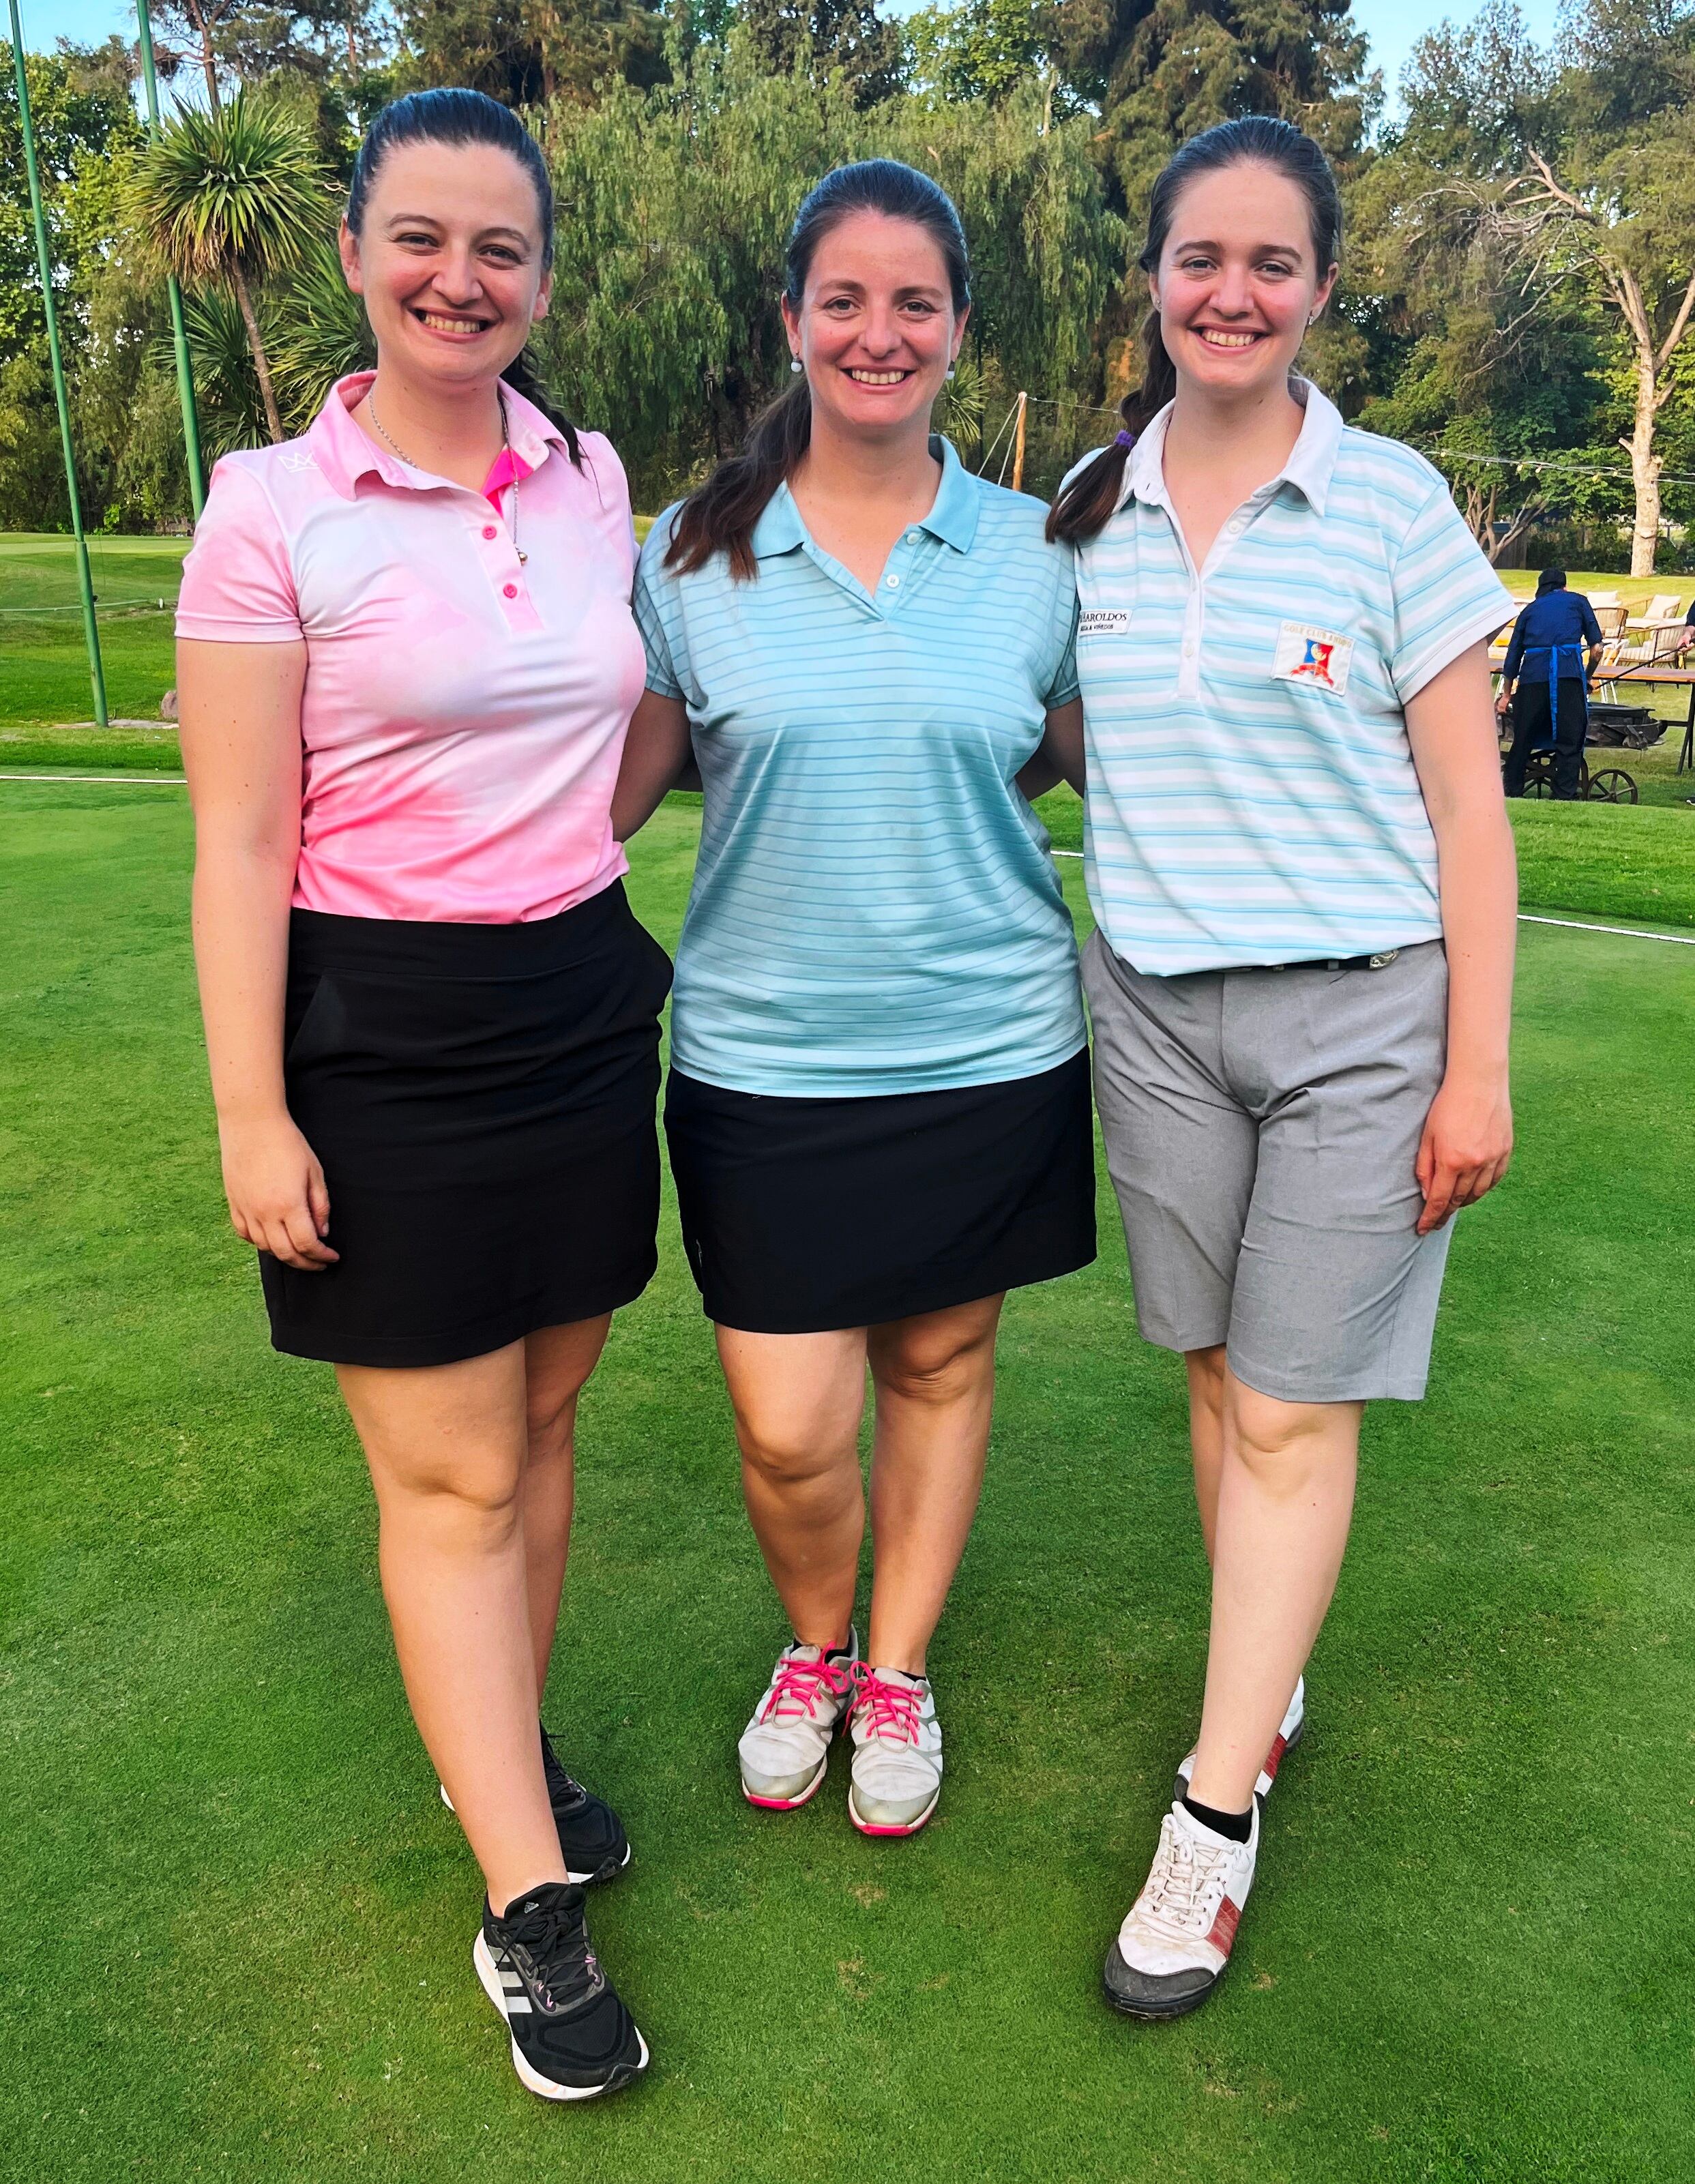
795,364
949,371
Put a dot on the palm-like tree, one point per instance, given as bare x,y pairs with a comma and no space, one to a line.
225,199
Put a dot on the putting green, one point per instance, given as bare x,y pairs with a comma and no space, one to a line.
239,1922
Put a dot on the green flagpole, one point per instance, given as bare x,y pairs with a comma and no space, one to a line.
179,333
44,259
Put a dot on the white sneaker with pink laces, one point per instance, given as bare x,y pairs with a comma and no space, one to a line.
785,1748
897,1752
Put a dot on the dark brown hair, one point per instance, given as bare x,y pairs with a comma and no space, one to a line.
1088,501
720,515
452,116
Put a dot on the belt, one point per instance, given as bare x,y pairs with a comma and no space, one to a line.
1378,963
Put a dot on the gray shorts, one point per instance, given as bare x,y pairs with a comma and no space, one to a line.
1261,1127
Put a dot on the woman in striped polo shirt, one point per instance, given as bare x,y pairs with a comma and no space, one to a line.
1302,876
878,1105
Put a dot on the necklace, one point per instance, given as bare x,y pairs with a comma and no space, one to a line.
511,487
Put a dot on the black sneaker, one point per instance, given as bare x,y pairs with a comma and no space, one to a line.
571,2036
590,1833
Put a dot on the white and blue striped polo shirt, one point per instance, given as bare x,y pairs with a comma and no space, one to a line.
874,909
1251,793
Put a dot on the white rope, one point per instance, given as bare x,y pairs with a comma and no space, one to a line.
108,780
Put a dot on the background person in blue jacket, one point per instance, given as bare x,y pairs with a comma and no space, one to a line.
1545,657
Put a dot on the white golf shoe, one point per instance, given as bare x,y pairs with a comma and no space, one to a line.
785,1748
1290,1733
1174,1946
897,1755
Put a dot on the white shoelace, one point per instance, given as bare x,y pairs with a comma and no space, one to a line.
1181,1889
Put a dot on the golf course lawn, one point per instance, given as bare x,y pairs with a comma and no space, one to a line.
238,1921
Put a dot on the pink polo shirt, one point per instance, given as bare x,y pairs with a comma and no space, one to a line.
464,712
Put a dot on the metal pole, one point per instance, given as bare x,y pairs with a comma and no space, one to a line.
1018,446
179,332
44,259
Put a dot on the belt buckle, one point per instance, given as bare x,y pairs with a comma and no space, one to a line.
1382,962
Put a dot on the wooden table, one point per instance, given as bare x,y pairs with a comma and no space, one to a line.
1681,678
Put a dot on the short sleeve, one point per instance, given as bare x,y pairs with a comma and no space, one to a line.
658,610
1065,685
238,582
1447,596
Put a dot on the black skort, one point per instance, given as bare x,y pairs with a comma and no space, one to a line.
482,1099
804,1216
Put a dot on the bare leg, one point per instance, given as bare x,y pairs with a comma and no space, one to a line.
1207,1433
934,1377
557,1362
1286,1499
446,1447
798,1401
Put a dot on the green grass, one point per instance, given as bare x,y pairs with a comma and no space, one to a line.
239,1921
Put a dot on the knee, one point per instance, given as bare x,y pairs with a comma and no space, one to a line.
1280,1444
551,1421
934,1366
474,1499
783,1448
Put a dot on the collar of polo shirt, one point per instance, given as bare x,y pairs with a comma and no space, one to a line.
345,453
952,518
1311,465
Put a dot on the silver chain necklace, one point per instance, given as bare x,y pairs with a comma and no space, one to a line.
505,441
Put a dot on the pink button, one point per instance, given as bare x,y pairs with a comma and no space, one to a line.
510,590
489,530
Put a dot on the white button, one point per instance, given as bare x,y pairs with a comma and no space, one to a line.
892,583
912,538
1234,525
1189,649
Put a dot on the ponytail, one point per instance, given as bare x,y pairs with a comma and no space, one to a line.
1086,502
719,518
1086,505
720,514
523,375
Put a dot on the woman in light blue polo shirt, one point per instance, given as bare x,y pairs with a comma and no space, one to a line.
1302,876
878,1107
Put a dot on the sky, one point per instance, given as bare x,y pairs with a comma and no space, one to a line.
1393,26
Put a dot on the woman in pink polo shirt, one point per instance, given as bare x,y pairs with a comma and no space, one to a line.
407,662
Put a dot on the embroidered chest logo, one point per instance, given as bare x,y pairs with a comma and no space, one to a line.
1103,622
1320,658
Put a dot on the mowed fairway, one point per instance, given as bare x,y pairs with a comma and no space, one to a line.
237,1922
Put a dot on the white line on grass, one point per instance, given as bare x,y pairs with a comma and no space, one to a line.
1571,924
108,780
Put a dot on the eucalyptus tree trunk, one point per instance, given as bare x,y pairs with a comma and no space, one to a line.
1644,466
261,363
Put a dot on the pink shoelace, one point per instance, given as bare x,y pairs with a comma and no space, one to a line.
801,1684
893,1708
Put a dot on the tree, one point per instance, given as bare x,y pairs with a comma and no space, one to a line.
225,199
987,49
531,53
1160,70
843,40
1607,195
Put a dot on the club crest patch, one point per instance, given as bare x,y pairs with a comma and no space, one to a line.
1104,621
1320,658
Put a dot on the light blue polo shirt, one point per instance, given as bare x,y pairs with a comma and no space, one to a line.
875,908
1251,795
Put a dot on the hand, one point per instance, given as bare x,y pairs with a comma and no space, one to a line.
1467,1144
278,1199
1503,702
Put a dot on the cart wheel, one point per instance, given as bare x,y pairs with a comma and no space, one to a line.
1538,784
1612,785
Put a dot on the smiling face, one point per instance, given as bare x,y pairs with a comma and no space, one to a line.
1237,280
876,329
449,260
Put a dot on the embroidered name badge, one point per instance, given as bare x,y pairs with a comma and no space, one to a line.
1319,657
1104,621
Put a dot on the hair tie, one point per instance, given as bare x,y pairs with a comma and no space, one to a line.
1125,439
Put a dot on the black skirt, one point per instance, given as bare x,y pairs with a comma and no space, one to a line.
803,1216
482,1099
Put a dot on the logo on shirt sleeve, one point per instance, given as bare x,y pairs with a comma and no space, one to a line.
1307,654
1103,622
